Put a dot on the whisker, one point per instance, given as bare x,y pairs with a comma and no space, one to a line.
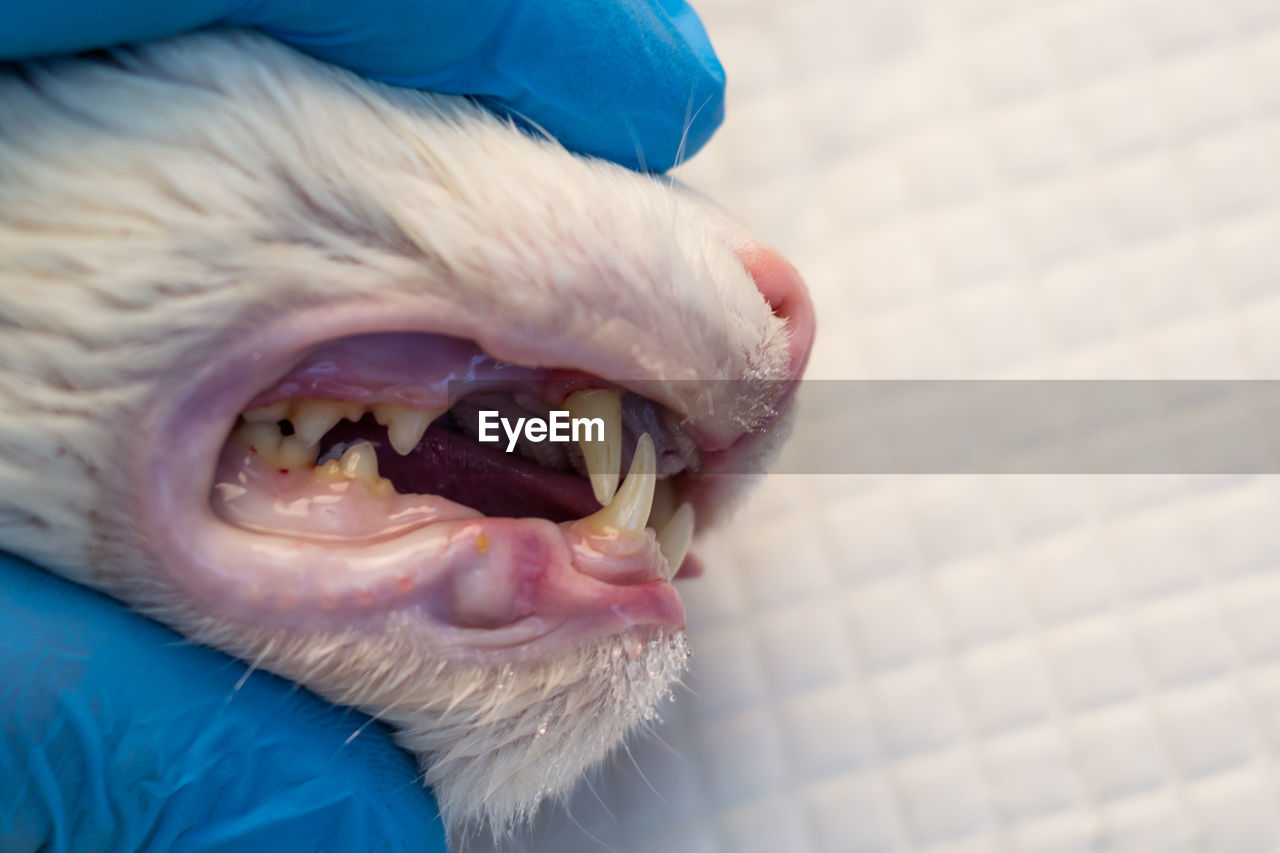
626,747
690,116
671,749
635,142
599,799
603,844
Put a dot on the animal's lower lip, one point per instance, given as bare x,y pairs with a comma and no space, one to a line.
465,586
345,588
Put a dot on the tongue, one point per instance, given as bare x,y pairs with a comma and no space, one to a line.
460,469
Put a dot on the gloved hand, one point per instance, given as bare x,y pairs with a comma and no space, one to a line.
634,81
117,735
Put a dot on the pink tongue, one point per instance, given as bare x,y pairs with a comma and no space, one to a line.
460,469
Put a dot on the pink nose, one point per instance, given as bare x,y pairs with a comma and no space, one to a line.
787,296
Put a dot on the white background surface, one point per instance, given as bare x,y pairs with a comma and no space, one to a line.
989,189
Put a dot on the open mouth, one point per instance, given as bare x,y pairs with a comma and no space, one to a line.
356,444
328,471
358,485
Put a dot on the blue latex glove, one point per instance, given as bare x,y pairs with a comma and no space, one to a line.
620,79
117,735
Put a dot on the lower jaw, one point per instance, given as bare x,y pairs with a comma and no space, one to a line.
469,585
484,583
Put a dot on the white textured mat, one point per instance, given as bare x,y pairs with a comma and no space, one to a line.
989,189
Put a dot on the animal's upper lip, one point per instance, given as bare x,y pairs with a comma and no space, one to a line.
192,420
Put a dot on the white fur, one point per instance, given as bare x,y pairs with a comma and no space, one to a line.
158,203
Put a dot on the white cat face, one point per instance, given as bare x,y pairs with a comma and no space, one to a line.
247,300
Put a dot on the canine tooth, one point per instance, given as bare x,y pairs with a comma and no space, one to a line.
311,419
269,414
629,509
664,504
675,538
603,458
405,426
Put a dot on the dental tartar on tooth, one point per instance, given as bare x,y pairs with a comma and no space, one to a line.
559,426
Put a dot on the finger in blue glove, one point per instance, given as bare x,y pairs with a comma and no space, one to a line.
119,735
633,81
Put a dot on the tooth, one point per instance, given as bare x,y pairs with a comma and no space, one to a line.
276,450
603,458
271,414
629,509
664,504
405,426
330,470
295,453
675,538
356,466
311,419
263,436
360,462
406,430
384,413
